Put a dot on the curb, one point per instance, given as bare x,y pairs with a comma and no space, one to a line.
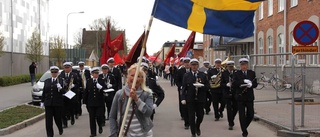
22,124
281,128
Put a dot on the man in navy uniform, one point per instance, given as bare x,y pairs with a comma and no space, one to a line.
93,97
244,81
52,100
84,75
69,104
116,73
158,92
179,78
217,96
205,68
194,90
229,93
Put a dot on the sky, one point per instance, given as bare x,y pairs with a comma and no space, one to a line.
131,15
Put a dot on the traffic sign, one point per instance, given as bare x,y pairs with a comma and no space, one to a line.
306,33
296,49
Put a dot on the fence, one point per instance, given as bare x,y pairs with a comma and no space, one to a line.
293,80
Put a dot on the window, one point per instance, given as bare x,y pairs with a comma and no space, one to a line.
281,49
261,11
260,59
270,50
177,50
294,3
280,5
270,7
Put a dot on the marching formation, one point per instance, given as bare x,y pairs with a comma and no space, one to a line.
106,95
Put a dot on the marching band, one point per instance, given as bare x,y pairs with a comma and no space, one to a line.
197,88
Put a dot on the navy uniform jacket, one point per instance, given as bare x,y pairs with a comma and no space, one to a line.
225,79
156,89
50,95
243,93
189,90
179,76
92,95
117,75
66,80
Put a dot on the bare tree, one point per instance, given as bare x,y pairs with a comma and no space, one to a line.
1,43
57,50
78,39
102,23
34,49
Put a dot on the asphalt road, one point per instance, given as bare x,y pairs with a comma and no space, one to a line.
15,95
167,122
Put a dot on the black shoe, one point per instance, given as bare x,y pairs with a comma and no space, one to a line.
77,116
93,135
217,119
198,132
186,127
244,134
207,112
72,121
221,114
230,128
193,135
103,124
60,132
65,126
100,130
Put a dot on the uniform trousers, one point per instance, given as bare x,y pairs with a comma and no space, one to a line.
95,117
195,109
217,98
53,112
232,109
208,102
246,113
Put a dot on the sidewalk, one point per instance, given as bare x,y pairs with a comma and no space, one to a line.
281,113
15,95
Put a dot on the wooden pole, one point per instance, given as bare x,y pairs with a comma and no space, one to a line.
136,76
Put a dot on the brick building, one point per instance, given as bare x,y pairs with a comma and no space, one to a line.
275,21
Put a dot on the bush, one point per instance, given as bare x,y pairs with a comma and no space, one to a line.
14,80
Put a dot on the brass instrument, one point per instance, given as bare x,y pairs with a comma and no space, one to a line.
70,83
215,82
84,80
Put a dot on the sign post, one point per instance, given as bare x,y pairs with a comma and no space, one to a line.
305,33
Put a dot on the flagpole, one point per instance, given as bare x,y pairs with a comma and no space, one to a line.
137,70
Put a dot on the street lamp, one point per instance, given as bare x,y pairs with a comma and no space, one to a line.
68,25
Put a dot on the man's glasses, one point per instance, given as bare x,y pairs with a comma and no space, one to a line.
54,71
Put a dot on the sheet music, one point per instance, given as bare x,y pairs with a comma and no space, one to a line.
70,94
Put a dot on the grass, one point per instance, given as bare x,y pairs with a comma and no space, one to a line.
18,114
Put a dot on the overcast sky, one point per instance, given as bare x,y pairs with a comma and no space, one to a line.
131,15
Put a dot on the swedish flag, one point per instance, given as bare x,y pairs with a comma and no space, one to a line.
230,18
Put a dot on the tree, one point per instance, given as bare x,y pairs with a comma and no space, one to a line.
34,48
1,44
57,50
102,23
78,39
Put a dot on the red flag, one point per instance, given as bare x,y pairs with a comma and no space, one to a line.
157,56
170,54
106,46
116,45
117,59
188,45
135,51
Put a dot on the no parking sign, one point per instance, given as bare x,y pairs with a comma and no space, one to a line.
305,33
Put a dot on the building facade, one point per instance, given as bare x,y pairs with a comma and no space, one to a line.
16,25
275,21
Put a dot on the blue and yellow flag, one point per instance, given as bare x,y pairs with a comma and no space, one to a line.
230,18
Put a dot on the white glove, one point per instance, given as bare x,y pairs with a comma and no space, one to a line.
109,85
72,86
249,85
214,76
183,102
247,81
106,94
41,105
155,106
229,84
99,86
59,86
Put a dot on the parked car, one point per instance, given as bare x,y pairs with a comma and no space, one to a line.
37,89
85,67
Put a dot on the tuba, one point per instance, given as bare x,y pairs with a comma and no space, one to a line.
215,82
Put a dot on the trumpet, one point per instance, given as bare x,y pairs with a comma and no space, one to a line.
70,83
